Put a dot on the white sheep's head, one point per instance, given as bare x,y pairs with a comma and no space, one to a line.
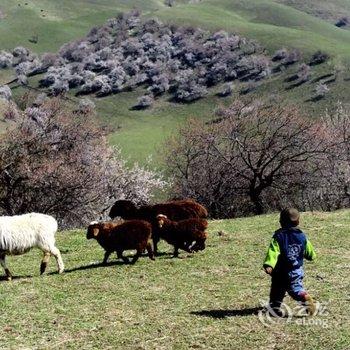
161,219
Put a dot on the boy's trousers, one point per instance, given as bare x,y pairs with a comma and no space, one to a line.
290,282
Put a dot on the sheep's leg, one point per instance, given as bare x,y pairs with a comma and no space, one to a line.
120,256
3,264
56,253
155,239
150,250
105,259
137,255
176,251
44,262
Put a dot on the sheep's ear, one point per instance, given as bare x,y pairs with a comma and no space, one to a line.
95,231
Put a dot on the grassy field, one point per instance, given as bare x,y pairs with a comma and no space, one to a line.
55,23
274,24
206,301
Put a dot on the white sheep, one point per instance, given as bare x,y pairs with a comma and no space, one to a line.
20,233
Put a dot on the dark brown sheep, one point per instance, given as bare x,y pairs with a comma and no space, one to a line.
188,234
175,210
119,236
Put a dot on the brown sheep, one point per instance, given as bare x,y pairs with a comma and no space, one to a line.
120,236
183,233
174,210
200,210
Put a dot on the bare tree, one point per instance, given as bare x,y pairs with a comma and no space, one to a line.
252,153
56,161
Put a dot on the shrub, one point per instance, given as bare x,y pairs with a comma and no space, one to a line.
59,87
226,90
61,164
304,73
280,55
160,84
144,101
292,57
321,91
6,59
5,92
86,106
169,3
190,91
256,157
343,21
318,57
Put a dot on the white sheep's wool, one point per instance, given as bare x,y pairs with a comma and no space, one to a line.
21,232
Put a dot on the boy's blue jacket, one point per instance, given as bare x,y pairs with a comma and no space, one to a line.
288,247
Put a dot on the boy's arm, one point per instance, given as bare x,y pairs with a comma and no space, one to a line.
272,255
309,253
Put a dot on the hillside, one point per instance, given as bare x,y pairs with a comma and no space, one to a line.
206,301
328,10
57,23
274,25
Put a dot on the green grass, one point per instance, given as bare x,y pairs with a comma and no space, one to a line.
273,24
142,134
197,302
329,10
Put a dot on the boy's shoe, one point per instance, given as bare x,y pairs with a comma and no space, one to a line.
310,305
274,311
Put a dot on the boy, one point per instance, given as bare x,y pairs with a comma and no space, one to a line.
284,262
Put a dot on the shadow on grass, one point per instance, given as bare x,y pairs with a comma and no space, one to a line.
91,266
4,278
227,313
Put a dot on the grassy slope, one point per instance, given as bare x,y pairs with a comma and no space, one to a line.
329,10
274,25
165,304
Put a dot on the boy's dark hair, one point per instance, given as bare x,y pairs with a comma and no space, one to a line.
289,217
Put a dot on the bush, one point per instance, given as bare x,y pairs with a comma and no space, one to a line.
304,73
61,164
226,90
86,106
343,21
169,3
318,58
255,158
292,57
5,93
6,59
144,101
280,55
321,91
